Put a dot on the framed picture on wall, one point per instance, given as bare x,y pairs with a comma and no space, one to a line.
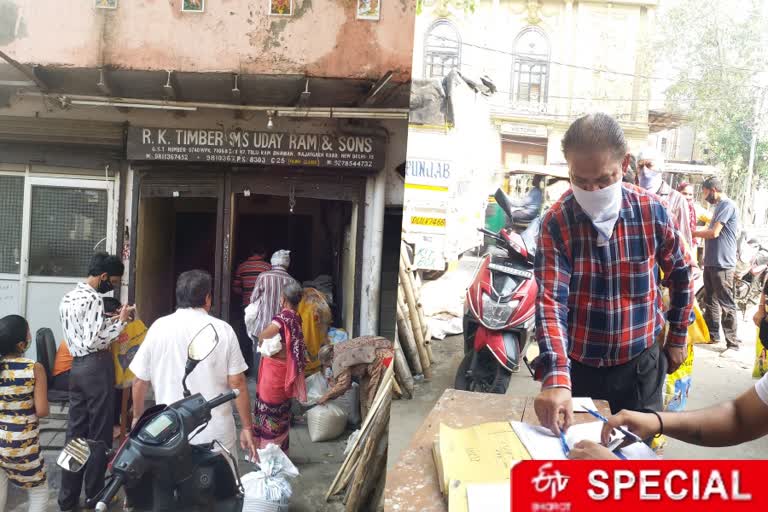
106,4
369,10
280,7
192,5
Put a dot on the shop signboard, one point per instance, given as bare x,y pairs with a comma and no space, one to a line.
269,148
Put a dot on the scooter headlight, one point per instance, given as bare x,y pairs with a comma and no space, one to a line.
496,314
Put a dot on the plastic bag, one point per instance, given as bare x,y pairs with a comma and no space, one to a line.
336,335
270,482
326,422
351,440
251,310
698,331
271,346
317,386
350,403
678,384
761,360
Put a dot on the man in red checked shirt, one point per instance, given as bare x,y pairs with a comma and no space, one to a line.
599,306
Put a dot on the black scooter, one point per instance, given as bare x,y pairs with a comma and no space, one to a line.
157,465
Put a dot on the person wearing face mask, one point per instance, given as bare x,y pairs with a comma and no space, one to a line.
719,263
599,307
23,401
650,165
89,334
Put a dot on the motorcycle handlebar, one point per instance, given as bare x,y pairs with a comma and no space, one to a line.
223,398
110,493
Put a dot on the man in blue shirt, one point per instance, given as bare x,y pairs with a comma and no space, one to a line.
529,208
719,263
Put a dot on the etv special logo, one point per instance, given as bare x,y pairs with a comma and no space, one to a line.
554,482
648,486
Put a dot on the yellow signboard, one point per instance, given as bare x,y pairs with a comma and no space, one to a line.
428,221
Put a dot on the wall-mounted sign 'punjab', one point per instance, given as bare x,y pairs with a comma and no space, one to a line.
192,5
355,152
369,10
106,4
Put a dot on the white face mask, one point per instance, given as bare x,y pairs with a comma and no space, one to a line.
650,180
601,206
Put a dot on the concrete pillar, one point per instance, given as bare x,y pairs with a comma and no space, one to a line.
370,280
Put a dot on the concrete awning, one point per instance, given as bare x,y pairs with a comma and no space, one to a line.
222,87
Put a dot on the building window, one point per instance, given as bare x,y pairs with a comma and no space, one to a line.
530,73
664,146
442,50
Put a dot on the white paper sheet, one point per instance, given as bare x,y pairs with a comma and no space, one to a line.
579,404
542,444
488,497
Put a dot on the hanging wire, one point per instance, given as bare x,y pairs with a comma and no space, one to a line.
291,198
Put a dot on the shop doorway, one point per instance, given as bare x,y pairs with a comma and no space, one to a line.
315,233
174,235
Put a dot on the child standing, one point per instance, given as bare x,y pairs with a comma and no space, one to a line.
23,401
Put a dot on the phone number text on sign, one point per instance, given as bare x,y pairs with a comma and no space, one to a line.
428,221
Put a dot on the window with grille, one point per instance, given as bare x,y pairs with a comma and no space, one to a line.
442,50
11,212
68,226
530,73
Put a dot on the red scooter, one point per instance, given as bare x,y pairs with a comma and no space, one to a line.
499,318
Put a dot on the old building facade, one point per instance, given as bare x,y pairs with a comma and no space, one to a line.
176,135
550,61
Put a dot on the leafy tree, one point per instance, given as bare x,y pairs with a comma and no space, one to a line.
716,49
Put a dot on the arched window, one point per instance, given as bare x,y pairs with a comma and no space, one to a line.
442,49
530,73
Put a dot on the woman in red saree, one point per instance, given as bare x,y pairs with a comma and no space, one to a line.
281,376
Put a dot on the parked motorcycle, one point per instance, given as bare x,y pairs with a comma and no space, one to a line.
157,465
751,272
499,310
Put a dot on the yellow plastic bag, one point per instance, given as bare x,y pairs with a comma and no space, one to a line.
678,384
698,332
761,359
123,351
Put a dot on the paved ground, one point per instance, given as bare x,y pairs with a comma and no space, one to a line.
318,464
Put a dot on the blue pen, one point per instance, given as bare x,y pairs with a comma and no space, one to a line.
624,431
565,445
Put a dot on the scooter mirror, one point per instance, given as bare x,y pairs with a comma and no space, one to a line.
503,201
203,343
74,456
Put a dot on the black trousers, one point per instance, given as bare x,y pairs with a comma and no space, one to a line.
91,415
720,306
638,384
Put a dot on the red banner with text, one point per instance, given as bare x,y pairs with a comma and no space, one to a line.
642,485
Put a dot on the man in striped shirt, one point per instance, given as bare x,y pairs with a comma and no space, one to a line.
248,272
599,309
268,290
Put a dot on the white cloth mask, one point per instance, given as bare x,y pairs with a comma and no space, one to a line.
650,180
601,206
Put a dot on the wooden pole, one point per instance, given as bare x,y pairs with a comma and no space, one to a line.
409,343
420,348
363,472
401,369
410,301
384,392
